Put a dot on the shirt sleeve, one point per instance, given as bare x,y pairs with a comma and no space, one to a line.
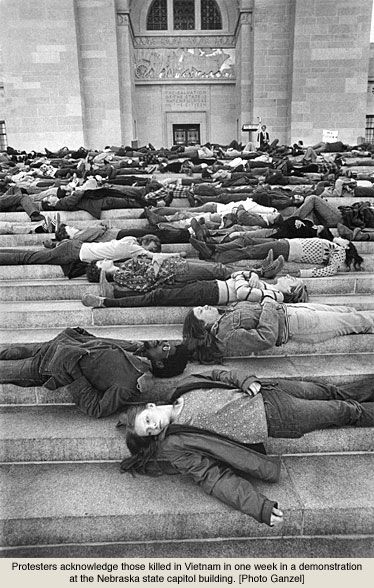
336,260
222,482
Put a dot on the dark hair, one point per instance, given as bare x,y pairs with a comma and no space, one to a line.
299,293
61,233
200,342
173,365
93,272
326,234
352,256
147,239
143,449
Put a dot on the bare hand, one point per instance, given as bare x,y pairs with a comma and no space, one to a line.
276,518
254,388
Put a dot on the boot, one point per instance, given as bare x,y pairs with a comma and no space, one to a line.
361,235
205,251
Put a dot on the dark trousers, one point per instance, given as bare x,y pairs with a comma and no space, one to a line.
67,252
166,234
236,250
19,364
294,408
14,199
193,293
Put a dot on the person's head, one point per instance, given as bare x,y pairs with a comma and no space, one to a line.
167,359
152,419
352,257
293,289
94,268
207,314
65,232
142,449
263,128
197,336
151,243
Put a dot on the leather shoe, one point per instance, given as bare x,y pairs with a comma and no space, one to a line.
205,252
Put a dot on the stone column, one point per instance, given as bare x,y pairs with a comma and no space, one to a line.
125,70
244,66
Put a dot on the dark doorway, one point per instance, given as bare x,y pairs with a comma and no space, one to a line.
186,134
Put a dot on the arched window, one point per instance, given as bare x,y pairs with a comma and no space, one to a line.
210,15
157,18
184,15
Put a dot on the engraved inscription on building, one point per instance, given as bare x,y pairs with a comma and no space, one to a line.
186,98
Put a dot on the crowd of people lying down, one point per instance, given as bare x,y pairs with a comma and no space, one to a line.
256,225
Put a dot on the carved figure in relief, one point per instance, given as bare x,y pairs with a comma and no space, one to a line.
182,63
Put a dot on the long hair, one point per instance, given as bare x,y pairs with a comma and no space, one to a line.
173,365
299,293
352,256
143,449
199,340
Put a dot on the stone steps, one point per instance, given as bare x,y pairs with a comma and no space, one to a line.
74,503
62,433
63,495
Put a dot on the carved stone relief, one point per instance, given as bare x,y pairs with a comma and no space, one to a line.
183,63
122,18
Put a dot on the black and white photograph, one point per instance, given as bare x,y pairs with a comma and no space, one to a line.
187,280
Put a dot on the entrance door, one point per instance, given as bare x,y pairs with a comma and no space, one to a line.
186,134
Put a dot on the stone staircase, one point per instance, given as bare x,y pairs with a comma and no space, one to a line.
63,495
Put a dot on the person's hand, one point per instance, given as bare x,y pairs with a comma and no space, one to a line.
299,224
253,388
276,517
253,280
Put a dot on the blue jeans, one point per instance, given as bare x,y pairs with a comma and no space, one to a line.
19,364
196,270
313,323
295,408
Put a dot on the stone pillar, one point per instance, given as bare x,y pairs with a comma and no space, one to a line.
273,28
245,66
125,69
98,66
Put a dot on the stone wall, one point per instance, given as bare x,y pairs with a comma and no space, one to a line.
330,68
272,64
41,80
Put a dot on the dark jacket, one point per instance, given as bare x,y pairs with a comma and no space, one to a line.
89,200
102,375
220,466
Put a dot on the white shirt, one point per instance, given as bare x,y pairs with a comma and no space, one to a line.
115,249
